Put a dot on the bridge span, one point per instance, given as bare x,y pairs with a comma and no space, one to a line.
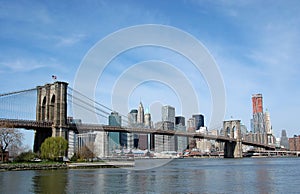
81,128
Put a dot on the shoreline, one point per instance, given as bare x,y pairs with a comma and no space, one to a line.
92,165
57,166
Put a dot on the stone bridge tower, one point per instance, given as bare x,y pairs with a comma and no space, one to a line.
232,129
51,107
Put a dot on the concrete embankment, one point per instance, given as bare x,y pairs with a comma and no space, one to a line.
32,166
55,166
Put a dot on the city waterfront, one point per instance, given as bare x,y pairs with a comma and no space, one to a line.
248,175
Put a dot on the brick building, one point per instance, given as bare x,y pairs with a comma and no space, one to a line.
294,143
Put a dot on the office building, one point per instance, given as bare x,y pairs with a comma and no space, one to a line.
132,122
114,119
168,114
268,128
294,143
182,142
140,114
179,120
147,119
284,141
199,121
95,141
191,125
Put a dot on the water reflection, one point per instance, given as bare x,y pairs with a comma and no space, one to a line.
180,176
49,181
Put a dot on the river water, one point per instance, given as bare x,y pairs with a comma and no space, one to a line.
248,175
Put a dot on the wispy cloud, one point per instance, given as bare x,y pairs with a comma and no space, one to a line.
20,10
69,40
25,65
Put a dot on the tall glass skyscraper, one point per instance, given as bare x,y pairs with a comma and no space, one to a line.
114,119
199,121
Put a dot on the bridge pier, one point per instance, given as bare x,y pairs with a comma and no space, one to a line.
51,107
39,137
233,149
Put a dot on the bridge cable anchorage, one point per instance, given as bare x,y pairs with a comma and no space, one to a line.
95,102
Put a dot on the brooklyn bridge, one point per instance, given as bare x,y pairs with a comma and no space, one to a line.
50,109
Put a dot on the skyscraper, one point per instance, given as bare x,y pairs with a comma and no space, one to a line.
182,142
258,116
191,125
268,128
147,120
168,113
114,119
180,120
167,143
199,121
132,117
132,122
284,141
140,114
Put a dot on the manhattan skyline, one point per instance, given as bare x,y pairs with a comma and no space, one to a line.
255,45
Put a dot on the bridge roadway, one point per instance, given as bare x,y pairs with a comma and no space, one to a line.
80,128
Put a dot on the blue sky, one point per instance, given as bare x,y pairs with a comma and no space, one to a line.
255,44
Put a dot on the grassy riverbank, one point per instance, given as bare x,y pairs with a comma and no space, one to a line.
59,165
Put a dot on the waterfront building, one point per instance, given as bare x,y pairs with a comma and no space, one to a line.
114,119
294,143
216,146
95,141
203,145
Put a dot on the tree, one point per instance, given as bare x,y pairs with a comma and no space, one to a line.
53,148
26,156
9,137
86,152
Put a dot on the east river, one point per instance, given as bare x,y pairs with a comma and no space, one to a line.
248,175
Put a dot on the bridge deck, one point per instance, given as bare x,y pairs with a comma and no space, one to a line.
80,128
